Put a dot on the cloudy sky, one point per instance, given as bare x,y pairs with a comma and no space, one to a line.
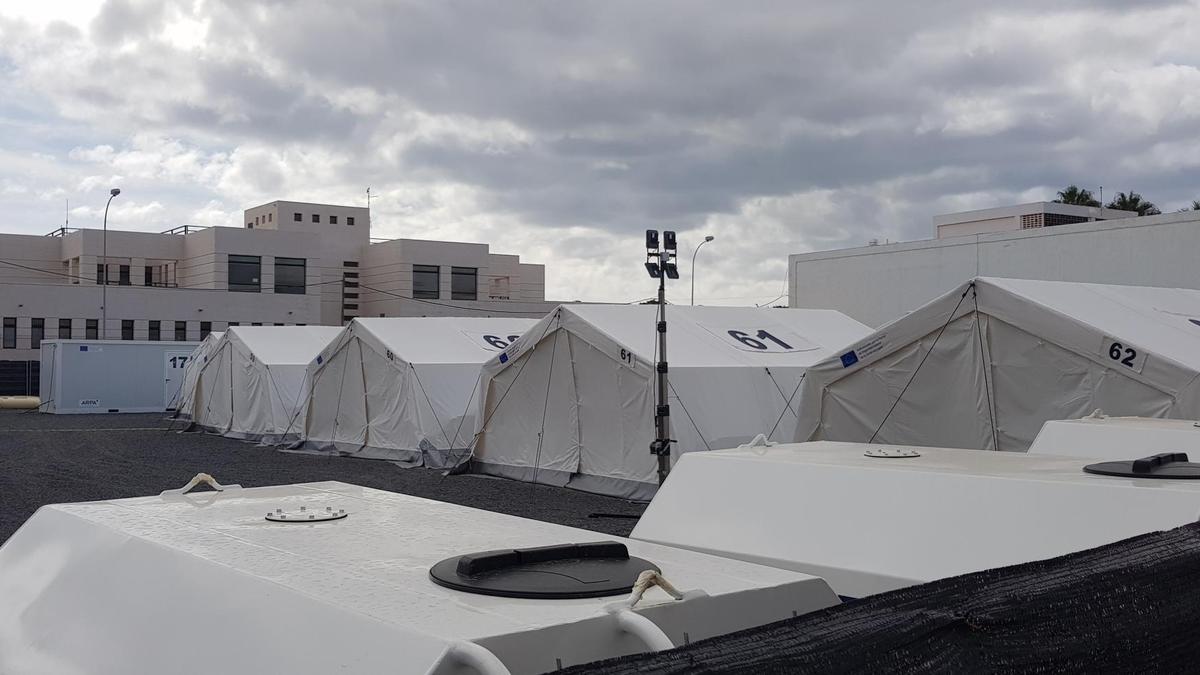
559,130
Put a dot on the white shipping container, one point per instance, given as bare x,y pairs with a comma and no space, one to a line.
108,376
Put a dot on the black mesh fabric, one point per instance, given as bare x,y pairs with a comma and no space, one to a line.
1129,606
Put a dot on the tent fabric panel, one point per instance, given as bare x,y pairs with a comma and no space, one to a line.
336,415
946,404
616,422
517,400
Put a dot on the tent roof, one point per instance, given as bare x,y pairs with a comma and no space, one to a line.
285,345
1166,320
700,336
442,339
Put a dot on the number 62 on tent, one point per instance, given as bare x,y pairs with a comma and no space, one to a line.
1121,354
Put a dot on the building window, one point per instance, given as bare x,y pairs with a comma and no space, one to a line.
250,226
349,275
278,324
155,330
270,217
149,279
10,332
333,220
256,323
350,284
126,329
181,331
425,281
289,275
297,217
37,333
64,329
234,323
350,220
462,283
91,329
244,273
353,305
349,263
350,296
99,273
123,275
205,329
255,220
316,218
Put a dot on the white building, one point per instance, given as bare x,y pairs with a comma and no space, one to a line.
875,284
1021,217
293,263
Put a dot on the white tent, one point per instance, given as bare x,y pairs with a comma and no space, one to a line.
405,388
572,401
187,390
985,365
255,380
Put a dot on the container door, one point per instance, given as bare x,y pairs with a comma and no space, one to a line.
176,363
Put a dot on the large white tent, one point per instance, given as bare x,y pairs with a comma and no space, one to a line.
572,401
254,382
404,388
182,402
985,365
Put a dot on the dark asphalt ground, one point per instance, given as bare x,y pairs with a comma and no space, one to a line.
50,459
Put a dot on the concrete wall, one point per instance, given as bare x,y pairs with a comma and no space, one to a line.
876,284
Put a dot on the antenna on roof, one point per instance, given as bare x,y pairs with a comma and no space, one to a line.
369,198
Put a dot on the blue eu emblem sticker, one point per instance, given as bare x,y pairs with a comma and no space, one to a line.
503,357
849,359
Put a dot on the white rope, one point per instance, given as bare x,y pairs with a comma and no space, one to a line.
197,480
645,581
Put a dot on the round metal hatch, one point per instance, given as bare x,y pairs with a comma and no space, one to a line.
1164,465
891,453
592,570
306,515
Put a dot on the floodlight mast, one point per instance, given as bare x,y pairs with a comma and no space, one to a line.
660,264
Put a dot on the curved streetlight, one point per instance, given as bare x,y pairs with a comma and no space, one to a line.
104,266
706,240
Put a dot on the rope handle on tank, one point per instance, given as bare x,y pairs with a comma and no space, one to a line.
197,480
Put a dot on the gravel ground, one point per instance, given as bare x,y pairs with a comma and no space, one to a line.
50,459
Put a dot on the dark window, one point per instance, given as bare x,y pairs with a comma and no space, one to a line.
289,275
333,220
155,330
278,324
349,284
297,217
270,217
425,281
99,273
10,332
91,329
181,331
123,275
350,306
64,329
250,225
126,329
37,332
349,220
350,296
349,275
316,218
462,283
256,323
149,276
205,329
244,273
349,263
234,323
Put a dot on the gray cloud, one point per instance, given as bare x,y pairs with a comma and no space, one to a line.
784,125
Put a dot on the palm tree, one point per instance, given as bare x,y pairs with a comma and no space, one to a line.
1074,194
1133,201
1196,204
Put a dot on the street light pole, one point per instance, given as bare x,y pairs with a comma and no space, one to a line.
706,240
104,267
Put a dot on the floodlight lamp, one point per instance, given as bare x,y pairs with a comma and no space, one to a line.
651,240
653,269
115,191
670,270
709,238
669,240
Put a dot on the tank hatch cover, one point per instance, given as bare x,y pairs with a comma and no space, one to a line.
591,570
1163,465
